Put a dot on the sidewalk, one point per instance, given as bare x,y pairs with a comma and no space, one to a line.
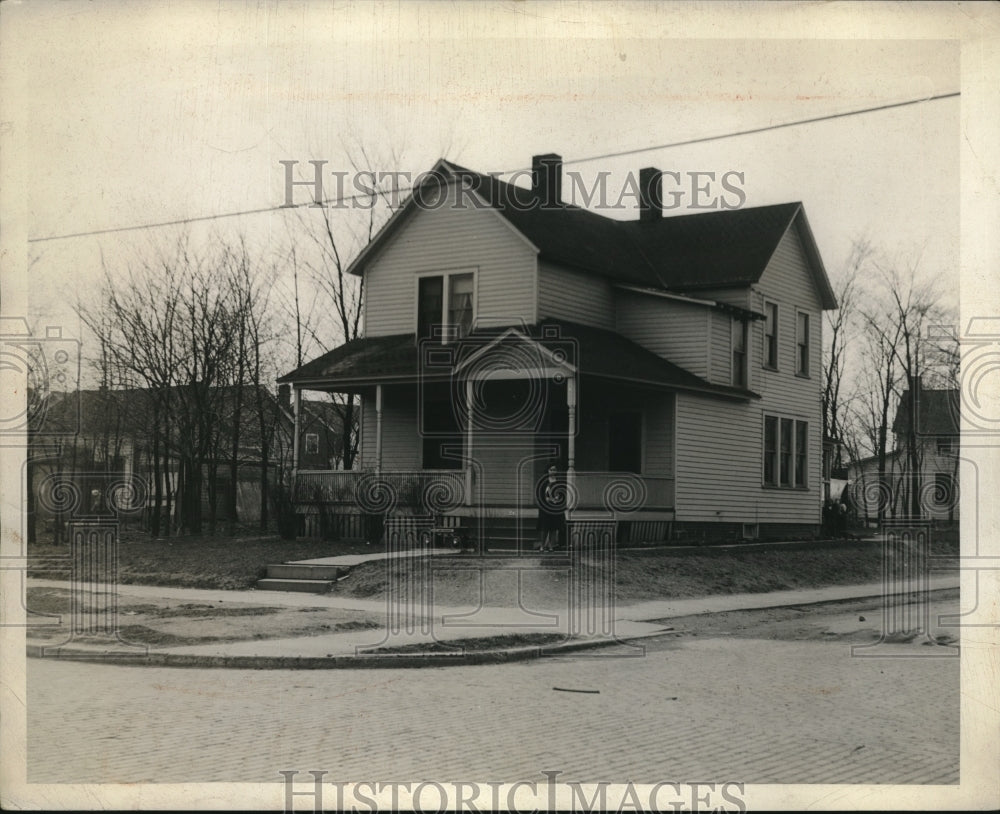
445,625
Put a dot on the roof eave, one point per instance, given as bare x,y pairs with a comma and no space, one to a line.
357,265
826,294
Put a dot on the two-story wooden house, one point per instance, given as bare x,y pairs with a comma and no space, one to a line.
668,366
934,458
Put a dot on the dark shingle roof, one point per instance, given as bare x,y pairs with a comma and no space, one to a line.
369,358
714,249
596,352
937,412
689,252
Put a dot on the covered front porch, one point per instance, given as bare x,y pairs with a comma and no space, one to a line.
467,429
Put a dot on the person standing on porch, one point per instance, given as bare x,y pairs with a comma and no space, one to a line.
551,504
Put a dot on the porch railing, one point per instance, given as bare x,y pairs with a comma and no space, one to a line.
429,491
444,490
622,491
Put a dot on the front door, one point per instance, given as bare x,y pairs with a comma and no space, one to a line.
552,431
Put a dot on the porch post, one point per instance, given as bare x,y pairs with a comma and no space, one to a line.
468,442
378,428
296,413
571,431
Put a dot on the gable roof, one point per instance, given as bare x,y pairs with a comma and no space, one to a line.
601,353
676,253
128,412
937,412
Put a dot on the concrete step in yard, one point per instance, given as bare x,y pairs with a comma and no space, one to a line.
315,579
308,586
294,570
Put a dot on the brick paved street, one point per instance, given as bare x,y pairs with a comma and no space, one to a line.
722,708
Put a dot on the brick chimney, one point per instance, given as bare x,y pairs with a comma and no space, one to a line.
285,396
650,194
546,179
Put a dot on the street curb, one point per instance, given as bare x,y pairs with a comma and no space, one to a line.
366,662
395,660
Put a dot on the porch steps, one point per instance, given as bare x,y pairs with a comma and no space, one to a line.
315,579
501,532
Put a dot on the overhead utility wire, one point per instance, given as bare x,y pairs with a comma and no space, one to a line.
622,153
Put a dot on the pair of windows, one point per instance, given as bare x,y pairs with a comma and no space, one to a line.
786,452
445,305
802,329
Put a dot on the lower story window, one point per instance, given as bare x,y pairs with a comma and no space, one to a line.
785,452
770,451
625,442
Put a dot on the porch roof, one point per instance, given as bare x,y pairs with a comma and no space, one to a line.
600,353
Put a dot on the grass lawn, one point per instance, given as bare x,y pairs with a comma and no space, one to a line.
653,574
230,563
237,563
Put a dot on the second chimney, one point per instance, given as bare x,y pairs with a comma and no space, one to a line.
546,179
650,194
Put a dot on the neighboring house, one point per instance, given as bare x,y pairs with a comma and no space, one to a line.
937,462
91,438
320,435
668,366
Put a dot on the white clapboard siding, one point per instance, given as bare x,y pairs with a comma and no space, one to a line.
721,348
450,238
719,468
720,445
574,296
673,329
740,297
402,447
787,282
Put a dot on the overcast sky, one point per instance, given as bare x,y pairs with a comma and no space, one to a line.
144,113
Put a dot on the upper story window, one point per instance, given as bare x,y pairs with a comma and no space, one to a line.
460,290
445,302
802,344
739,353
771,335
430,298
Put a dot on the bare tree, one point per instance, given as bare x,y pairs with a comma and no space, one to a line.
838,338
877,385
169,325
899,307
336,240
